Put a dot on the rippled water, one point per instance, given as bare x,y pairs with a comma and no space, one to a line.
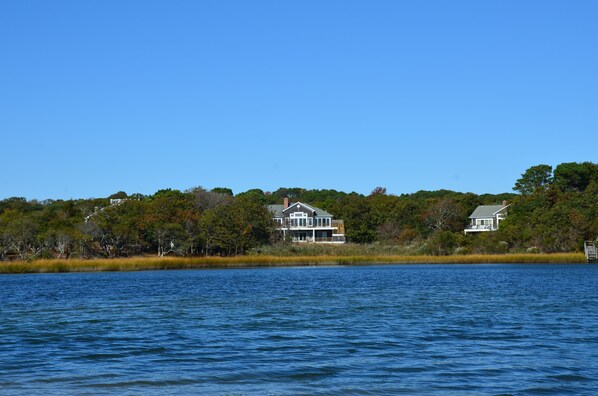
486,329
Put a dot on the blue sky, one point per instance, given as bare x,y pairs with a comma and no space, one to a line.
102,96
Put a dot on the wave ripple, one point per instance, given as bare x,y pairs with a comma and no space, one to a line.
489,329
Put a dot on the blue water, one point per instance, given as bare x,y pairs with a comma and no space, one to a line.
486,329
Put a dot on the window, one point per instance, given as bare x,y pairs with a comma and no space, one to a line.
298,219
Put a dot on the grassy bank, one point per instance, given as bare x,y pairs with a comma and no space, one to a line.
165,263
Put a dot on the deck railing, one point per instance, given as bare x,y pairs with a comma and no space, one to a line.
304,227
480,227
334,239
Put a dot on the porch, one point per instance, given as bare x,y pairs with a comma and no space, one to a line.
315,235
333,239
479,228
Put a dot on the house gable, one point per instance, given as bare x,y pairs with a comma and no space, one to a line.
298,207
311,211
487,211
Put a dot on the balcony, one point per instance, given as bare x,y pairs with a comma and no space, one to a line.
479,228
307,226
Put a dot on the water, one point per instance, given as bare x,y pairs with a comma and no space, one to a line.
487,329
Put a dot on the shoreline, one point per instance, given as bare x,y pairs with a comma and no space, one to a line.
257,261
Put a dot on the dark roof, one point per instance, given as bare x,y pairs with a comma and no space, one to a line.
278,210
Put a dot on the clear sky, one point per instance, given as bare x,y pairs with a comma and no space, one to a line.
102,96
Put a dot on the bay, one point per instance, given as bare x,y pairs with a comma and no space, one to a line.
398,329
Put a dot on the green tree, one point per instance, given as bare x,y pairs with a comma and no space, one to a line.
574,176
255,193
552,220
168,212
19,233
535,178
222,190
234,228
360,224
57,228
441,243
118,195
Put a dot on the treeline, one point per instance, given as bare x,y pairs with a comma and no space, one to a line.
552,211
170,222
555,211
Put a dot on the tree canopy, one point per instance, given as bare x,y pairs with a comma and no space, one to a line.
553,212
535,178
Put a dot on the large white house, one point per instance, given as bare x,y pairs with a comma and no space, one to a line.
486,218
305,223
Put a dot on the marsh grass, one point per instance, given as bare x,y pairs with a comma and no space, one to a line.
345,249
171,263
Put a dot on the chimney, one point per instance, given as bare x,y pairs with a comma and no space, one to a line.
504,203
286,202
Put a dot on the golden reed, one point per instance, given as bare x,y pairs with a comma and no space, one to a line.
165,263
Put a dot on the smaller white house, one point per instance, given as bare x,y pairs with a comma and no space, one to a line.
486,218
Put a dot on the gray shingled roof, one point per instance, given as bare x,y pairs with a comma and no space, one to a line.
319,212
278,209
486,211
